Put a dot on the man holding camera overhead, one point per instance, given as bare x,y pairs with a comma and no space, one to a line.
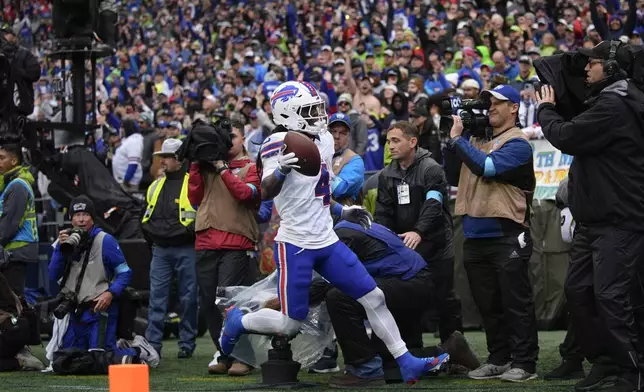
92,272
495,176
606,185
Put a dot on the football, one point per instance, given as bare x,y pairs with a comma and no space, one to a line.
306,152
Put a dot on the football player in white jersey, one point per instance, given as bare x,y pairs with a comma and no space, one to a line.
306,241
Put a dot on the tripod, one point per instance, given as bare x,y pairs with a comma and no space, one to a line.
280,370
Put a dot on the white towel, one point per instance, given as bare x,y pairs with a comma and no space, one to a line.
60,328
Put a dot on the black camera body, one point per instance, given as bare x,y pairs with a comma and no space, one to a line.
66,304
77,239
475,123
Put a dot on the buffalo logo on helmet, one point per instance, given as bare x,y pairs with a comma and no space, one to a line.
284,94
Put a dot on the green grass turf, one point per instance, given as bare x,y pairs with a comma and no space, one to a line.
191,374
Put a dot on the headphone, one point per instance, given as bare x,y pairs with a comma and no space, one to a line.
611,67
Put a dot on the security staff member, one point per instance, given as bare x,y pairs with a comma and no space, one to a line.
18,226
404,277
411,201
606,180
495,186
93,321
168,223
348,166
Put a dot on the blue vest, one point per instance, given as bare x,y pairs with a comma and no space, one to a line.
28,230
400,260
374,156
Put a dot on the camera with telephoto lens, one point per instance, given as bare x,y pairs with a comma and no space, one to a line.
469,110
66,304
75,239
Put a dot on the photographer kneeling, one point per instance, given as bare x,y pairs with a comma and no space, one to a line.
495,187
606,182
94,273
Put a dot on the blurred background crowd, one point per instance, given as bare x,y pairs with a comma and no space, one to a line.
377,61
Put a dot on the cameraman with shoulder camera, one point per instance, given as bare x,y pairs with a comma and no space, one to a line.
227,191
94,273
24,71
495,187
606,187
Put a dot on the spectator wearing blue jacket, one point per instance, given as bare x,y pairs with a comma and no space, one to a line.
348,167
93,321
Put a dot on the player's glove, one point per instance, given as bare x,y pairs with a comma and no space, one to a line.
286,162
358,215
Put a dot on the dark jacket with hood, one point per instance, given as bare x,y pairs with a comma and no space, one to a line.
606,179
397,115
427,212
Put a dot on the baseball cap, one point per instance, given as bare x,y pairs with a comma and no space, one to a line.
325,47
602,51
340,118
389,53
169,147
503,92
249,53
525,59
470,83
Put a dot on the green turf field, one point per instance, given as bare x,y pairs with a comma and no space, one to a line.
191,374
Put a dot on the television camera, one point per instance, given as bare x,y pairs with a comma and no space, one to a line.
473,112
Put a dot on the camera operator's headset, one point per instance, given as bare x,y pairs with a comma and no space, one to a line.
611,67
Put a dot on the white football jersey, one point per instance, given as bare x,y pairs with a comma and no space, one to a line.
304,202
129,152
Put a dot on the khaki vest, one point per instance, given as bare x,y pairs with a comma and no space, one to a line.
338,164
479,197
95,280
219,210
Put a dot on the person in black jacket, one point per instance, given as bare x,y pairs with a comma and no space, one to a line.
606,196
24,71
412,201
168,223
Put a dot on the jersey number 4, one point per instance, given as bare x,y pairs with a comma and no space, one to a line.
323,188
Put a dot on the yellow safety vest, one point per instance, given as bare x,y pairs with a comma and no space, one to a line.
187,214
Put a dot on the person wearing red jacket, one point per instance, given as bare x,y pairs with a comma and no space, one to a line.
228,197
